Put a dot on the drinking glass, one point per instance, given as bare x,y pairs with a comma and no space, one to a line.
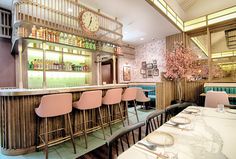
220,108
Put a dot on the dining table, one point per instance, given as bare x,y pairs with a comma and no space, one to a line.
210,134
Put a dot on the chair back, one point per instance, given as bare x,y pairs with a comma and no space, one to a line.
129,94
174,109
119,136
89,100
54,105
154,121
140,96
113,96
213,98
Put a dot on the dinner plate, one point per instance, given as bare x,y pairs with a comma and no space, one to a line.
160,138
231,111
180,120
192,110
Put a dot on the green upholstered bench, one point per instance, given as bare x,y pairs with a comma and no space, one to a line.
151,94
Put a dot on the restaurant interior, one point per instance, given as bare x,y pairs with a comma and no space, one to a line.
98,79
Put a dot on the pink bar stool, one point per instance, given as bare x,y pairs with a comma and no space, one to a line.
112,97
52,106
128,96
90,100
140,97
213,98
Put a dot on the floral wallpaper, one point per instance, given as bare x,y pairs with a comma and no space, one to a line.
154,50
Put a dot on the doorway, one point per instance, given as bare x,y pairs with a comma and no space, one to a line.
107,72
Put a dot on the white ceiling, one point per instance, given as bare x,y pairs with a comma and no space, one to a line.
139,19
196,8
6,4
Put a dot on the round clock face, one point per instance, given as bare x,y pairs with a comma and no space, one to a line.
89,22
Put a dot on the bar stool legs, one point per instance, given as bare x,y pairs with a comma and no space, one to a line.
101,122
135,108
85,132
109,117
85,128
71,133
122,118
46,138
126,104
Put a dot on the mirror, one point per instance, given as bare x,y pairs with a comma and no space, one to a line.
223,49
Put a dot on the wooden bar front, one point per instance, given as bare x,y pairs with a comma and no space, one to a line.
18,118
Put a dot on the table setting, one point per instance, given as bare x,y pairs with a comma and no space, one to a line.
196,132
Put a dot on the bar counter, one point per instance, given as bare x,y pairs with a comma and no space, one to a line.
18,119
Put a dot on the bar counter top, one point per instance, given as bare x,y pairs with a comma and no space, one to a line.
26,92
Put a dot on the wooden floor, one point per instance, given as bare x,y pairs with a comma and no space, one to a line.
102,152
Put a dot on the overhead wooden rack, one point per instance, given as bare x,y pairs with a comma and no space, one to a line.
64,17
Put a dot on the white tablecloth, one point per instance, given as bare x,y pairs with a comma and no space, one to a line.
211,135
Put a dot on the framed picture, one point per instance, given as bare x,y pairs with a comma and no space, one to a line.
154,66
144,75
156,72
126,73
149,66
154,61
142,71
144,65
150,73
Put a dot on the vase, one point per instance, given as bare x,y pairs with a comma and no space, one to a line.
179,90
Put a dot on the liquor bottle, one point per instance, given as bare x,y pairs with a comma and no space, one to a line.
57,36
65,38
82,43
61,39
43,34
34,32
74,40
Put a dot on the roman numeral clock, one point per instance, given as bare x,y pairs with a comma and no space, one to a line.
89,22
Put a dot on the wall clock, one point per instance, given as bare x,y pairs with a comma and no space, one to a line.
89,22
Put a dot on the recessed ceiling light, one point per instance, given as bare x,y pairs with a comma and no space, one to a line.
70,10
141,38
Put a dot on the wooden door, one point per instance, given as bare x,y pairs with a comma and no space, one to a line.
107,72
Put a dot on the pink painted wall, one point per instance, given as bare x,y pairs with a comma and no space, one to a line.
7,64
148,52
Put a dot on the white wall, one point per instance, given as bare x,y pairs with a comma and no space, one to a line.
154,50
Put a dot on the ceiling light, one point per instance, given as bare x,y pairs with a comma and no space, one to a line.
141,38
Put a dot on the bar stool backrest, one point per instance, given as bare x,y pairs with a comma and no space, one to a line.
129,94
89,100
213,98
55,105
113,96
140,96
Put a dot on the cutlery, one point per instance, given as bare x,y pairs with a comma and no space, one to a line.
159,155
148,145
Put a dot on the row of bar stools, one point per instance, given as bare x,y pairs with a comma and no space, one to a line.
113,97
53,106
90,100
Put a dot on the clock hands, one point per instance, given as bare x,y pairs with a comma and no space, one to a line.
90,21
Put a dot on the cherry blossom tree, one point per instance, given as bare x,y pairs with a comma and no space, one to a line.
180,63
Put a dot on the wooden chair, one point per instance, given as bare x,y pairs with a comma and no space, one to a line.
154,120
213,98
174,109
118,138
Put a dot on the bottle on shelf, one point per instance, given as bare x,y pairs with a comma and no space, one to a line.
61,39
66,38
34,31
